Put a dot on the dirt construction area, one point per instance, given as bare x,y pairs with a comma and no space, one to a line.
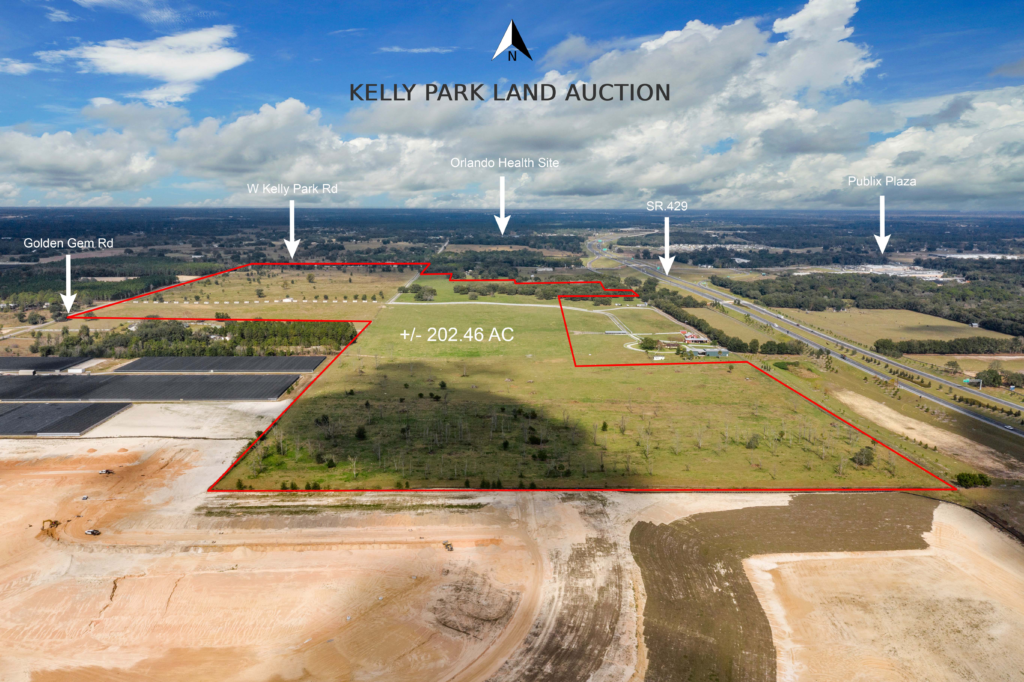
182,584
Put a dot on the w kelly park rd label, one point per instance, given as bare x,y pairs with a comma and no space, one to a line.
297,189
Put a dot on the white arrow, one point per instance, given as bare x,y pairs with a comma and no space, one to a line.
881,237
503,220
666,260
292,243
69,298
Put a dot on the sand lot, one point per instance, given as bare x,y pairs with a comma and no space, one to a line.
183,584
187,585
954,611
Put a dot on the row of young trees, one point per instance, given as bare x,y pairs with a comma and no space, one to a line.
672,302
172,338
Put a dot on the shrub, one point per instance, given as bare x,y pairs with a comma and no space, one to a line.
754,441
865,457
361,433
968,480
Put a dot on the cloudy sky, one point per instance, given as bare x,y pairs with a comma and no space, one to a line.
176,103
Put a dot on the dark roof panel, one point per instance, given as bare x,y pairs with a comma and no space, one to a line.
232,363
29,419
145,388
52,364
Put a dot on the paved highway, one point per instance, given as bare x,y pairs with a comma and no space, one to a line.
765,316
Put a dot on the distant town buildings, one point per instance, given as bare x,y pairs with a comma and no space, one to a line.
902,271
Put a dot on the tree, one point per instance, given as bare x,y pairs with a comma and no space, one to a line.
990,377
865,457
604,426
310,278
970,480
361,433
953,366
648,343
259,293
325,424
754,441
754,346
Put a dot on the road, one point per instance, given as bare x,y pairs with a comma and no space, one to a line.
765,316
877,356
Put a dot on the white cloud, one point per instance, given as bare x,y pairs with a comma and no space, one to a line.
16,68
757,119
59,15
418,50
150,11
182,60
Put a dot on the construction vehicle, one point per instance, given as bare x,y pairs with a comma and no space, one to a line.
106,471
92,531
448,546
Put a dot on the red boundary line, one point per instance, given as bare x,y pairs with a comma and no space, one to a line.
90,314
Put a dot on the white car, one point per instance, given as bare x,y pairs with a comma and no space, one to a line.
92,531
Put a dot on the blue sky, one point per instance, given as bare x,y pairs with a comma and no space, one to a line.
898,56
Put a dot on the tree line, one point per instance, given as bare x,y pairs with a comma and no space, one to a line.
996,303
672,302
973,345
161,338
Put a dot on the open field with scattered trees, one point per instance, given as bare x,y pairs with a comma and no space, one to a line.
867,326
479,410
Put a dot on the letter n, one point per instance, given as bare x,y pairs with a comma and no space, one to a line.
512,55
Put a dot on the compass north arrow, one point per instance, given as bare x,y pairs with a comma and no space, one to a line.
512,39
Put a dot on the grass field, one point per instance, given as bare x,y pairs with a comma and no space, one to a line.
405,410
730,325
334,293
867,326
973,363
647,321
